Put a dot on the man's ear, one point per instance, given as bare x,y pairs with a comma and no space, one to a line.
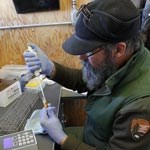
120,50
119,54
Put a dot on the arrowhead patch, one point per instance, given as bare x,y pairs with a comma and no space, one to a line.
139,128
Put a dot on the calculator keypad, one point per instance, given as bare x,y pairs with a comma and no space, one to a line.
20,139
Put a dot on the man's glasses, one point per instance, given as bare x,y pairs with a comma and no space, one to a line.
94,52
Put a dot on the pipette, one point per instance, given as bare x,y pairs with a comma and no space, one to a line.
37,74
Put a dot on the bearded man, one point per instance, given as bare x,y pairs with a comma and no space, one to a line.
115,75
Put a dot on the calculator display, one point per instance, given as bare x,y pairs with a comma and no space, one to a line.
7,143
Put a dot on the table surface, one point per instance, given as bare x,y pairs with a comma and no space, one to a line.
53,94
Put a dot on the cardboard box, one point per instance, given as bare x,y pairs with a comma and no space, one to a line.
9,91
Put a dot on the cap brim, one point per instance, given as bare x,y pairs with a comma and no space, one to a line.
77,46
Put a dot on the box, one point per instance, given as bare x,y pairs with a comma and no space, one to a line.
12,71
9,91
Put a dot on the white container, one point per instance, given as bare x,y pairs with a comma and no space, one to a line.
12,71
11,91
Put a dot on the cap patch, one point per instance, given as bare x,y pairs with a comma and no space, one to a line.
86,12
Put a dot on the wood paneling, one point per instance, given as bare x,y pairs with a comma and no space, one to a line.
15,42
50,38
74,114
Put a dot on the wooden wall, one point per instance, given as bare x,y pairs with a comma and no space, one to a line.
50,38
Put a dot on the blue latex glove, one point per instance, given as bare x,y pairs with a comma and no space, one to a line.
41,62
52,125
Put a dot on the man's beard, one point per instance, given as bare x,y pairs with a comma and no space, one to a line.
95,78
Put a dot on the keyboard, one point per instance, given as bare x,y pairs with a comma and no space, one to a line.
15,117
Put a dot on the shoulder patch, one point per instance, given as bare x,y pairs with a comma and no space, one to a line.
139,127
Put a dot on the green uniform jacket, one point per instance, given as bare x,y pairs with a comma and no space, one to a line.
118,115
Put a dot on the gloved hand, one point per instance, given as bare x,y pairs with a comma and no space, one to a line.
52,125
41,62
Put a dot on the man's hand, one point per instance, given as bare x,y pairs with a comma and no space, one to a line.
52,125
41,61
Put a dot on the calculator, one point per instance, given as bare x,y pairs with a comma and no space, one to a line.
23,140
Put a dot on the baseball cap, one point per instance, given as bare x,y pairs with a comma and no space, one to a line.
103,21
